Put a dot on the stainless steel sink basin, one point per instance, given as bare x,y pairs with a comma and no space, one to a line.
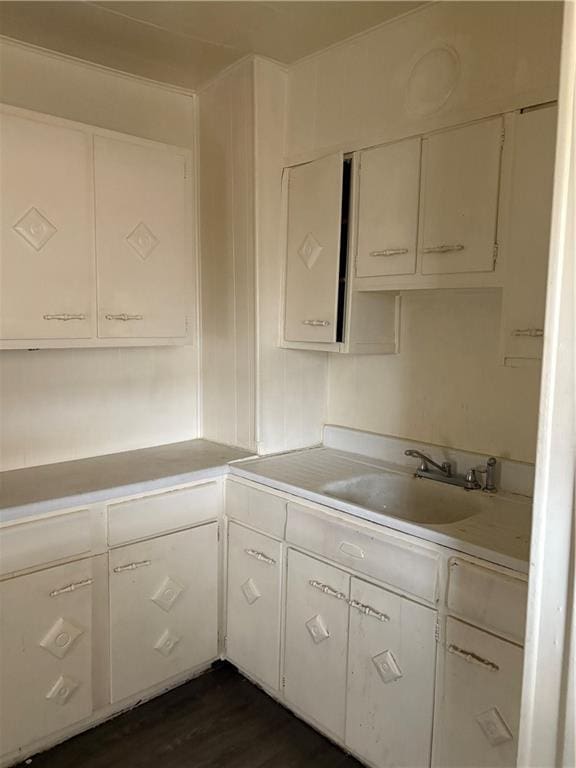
408,498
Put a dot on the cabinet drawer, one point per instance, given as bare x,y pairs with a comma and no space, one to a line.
258,509
402,565
29,544
488,598
163,512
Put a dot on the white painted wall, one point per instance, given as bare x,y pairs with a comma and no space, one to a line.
226,124
446,386
57,405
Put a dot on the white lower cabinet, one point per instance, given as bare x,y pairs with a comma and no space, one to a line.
317,641
163,608
391,669
477,722
254,603
46,652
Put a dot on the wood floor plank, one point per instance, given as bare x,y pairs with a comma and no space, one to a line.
219,720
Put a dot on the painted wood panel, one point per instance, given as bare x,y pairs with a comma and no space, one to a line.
439,66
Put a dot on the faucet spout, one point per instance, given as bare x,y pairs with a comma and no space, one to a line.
445,467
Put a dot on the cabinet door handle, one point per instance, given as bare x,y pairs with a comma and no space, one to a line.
260,556
327,590
533,333
317,323
132,566
443,248
389,252
473,658
71,587
64,317
124,317
367,610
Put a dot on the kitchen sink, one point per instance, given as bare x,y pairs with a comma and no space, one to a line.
409,498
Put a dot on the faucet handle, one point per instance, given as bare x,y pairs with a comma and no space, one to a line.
471,481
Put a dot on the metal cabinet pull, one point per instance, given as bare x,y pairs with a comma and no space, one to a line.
64,317
124,317
533,333
132,566
367,610
71,587
443,248
260,556
317,323
327,590
389,252
473,658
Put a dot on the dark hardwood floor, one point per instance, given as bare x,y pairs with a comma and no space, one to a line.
219,720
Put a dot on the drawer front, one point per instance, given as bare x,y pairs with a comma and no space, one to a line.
27,545
488,598
258,509
163,512
407,567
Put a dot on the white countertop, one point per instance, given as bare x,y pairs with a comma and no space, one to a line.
499,534
38,490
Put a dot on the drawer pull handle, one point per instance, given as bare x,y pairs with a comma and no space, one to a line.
132,566
389,252
533,333
352,550
64,316
260,556
124,317
327,590
473,658
443,248
71,587
317,323
367,610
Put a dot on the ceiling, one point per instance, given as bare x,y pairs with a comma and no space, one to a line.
187,43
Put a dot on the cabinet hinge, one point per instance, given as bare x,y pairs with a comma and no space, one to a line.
283,682
437,631
502,136
495,255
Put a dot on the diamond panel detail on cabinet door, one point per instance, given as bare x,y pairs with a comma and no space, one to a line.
143,250
45,653
313,250
459,199
163,615
253,608
480,712
316,640
46,245
391,668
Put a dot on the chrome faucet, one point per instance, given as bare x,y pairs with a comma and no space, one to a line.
444,473
445,467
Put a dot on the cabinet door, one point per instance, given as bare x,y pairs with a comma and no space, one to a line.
480,700
391,669
388,210
459,199
316,641
313,250
528,227
163,608
46,246
46,653
253,610
142,248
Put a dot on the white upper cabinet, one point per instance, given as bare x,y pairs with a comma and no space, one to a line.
46,246
141,222
459,199
389,180
528,233
313,250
